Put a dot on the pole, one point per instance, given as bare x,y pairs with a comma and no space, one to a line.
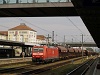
17,1
53,36
82,47
47,0
56,38
48,39
64,40
33,1
72,40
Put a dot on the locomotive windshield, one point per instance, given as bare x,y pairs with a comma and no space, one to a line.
38,49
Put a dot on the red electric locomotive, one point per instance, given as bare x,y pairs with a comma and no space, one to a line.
44,54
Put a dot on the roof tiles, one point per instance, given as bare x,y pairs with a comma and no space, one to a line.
22,26
41,37
4,33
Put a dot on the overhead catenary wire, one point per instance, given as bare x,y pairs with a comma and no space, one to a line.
61,14
4,26
33,25
67,18
70,20
49,31
75,26
36,26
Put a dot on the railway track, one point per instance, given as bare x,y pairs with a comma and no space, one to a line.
82,69
34,69
25,62
13,61
40,70
12,70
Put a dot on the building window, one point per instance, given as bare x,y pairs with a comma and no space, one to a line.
31,32
11,32
23,32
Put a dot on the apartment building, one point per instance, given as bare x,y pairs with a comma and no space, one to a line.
22,33
41,39
3,35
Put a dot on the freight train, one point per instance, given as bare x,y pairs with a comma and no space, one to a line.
45,53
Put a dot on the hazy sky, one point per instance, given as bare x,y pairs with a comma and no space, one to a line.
71,27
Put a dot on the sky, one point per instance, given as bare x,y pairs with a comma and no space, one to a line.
70,27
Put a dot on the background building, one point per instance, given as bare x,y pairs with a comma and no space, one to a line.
3,35
22,33
41,39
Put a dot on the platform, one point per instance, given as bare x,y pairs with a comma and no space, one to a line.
93,69
14,60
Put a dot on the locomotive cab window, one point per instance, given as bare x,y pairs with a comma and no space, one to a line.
38,49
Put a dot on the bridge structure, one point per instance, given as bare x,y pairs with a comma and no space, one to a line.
79,44
37,8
